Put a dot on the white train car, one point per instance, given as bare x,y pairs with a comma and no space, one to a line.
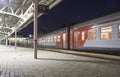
98,34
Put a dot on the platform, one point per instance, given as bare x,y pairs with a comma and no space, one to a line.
21,63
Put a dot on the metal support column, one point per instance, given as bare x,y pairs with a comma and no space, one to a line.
35,27
7,41
68,37
15,39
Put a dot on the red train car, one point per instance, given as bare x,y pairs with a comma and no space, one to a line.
57,39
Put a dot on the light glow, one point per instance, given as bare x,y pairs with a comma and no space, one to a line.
0,19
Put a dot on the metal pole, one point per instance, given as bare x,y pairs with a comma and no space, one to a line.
10,41
35,28
7,41
15,39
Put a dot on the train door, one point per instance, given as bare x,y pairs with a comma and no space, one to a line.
75,40
64,40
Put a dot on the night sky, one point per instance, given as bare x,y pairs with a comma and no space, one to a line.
70,12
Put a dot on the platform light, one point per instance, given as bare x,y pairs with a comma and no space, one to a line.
4,2
43,0
0,19
30,36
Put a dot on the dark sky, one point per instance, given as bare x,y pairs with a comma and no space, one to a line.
72,11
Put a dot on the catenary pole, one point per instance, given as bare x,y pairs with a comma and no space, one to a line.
35,27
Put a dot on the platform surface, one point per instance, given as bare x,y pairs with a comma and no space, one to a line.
21,63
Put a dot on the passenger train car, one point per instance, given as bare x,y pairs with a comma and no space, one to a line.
97,35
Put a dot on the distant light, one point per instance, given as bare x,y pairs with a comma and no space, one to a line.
30,35
4,2
43,0
0,19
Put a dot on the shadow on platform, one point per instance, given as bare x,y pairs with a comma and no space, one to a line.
90,61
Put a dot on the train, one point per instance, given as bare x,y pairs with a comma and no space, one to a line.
100,35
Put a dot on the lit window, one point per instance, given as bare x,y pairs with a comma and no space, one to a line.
64,36
83,35
119,31
58,38
92,34
51,38
48,39
54,38
106,33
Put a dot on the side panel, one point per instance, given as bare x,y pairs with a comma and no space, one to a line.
113,42
103,44
79,36
62,40
59,41
71,39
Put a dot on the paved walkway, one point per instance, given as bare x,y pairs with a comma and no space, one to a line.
20,63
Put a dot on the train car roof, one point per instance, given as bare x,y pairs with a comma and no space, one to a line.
98,20
53,32
86,23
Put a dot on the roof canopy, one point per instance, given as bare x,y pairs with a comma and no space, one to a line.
16,14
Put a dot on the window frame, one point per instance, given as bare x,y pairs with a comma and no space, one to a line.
119,31
101,33
58,38
95,37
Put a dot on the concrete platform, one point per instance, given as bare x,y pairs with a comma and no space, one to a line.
89,54
21,63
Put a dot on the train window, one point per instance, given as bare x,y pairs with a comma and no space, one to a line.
119,31
51,39
45,39
92,34
58,38
48,39
64,36
83,35
70,32
54,38
106,33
